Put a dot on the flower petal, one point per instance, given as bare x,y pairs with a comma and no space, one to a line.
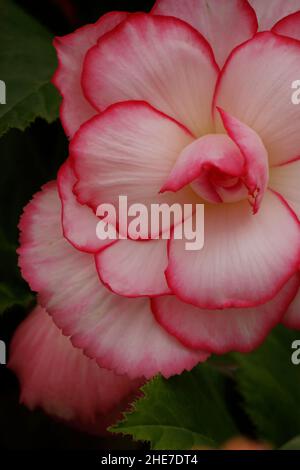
255,87
292,316
221,331
255,155
79,221
246,258
156,59
285,180
134,268
60,379
271,11
289,26
224,24
71,50
120,333
127,151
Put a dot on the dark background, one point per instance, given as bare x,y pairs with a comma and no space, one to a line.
38,153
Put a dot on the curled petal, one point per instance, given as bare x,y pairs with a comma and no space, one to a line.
209,163
60,379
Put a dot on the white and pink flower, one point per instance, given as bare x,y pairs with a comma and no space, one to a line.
187,103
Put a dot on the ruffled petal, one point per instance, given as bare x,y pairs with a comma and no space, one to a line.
285,180
255,86
134,268
246,258
224,24
221,331
64,382
120,333
71,50
128,151
156,59
270,11
79,221
289,26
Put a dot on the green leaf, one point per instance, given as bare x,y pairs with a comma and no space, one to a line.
28,62
293,444
182,412
270,385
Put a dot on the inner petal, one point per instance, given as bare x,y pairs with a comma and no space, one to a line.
214,167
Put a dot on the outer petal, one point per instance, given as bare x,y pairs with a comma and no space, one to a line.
289,26
255,87
270,11
225,24
246,258
156,59
292,317
71,51
79,221
120,333
135,268
128,150
285,180
221,331
60,379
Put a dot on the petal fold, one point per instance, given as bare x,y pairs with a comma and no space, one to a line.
224,24
271,11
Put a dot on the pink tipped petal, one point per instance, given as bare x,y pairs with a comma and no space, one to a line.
246,258
255,155
79,222
71,50
221,331
58,378
225,24
128,150
268,12
135,268
289,26
292,316
255,87
199,162
120,333
156,59
285,180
